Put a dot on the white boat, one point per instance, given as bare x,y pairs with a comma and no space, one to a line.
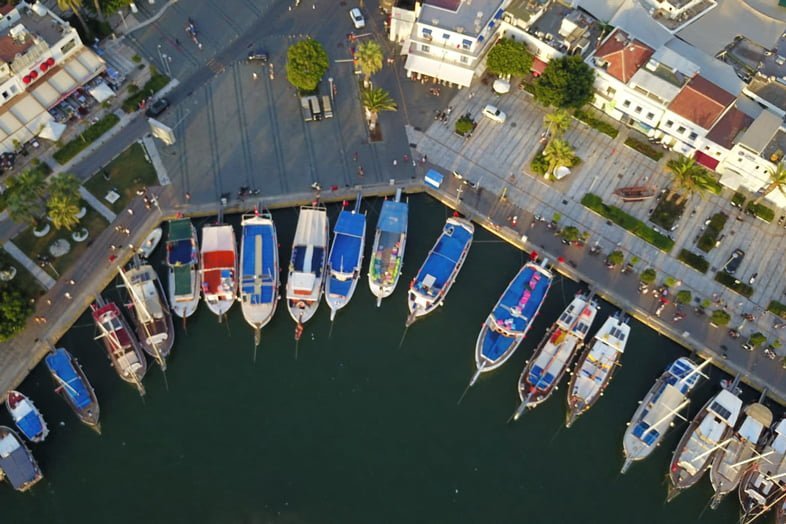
182,259
596,366
219,268
258,270
16,462
387,254
708,432
308,264
27,418
763,487
656,413
740,454
150,243
122,347
346,258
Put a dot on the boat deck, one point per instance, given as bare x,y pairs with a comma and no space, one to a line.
26,418
522,300
16,461
259,263
217,268
70,382
347,251
554,357
442,260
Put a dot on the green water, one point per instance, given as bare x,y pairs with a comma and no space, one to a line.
357,429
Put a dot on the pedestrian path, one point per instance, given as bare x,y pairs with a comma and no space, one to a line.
97,204
118,55
39,274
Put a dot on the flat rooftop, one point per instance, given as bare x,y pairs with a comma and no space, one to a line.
46,27
688,16
585,37
744,55
773,92
776,147
525,9
462,16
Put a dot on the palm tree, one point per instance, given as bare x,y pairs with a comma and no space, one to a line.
25,197
376,100
557,123
558,153
65,185
76,7
777,181
63,211
369,57
689,178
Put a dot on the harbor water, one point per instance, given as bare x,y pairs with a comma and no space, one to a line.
363,426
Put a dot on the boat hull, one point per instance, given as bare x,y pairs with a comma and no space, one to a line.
20,467
22,409
88,412
184,307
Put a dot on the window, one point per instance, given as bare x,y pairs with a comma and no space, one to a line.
446,36
650,116
693,136
681,129
638,110
611,91
68,46
464,59
5,95
466,44
626,103
425,48
669,123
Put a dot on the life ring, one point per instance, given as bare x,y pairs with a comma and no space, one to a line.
301,305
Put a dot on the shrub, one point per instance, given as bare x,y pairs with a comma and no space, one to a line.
644,149
710,236
615,258
648,276
87,137
732,283
738,199
464,125
757,339
539,164
777,308
667,212
761,211
570,233
683,297
596,123
628,222
720,317
697,262
669,281
156,83
132,88
136,59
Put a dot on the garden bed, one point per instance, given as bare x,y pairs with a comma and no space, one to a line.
127,173
596,123
644,149
760,211
697,262
85,138
710,236
156,83
628,222
667,212
777,308
734,284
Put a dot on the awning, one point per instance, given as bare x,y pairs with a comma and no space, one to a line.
52,131
538,66
39,122
62,82
437,69
45,94
77,71
501,86
91,61
561,172
434,178
102,92
9,123
706,160
26,109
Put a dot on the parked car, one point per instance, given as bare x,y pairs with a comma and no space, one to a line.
157,107
357,18
734,261
494,113
258,56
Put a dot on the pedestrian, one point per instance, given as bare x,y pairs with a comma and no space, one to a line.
188,196
127,232
414,164
68,295
42,319
118,228
112,258
72,281
395,162
334,188
177,41
406,157
360,171
48,301
355,156
313,6
130,211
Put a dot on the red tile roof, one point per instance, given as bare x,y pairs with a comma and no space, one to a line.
624,55
701,102
728,127
9,47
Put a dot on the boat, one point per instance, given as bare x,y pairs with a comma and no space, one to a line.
740,454
511,318
438,273
656,413
387,254
707,433
346,258
151,316
219,268
596,366
182,260
26,417
150,243
121,345
552,357
17,462
636,193
73,385
308,264
763,487
780,514
258,270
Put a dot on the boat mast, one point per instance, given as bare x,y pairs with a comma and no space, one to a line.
140,306
115,342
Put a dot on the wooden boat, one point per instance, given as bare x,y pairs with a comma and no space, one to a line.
387,254
763,487
346,258
182,260
17,463
219,268
27,417
72,384
121,345
259,276
636,193
308,264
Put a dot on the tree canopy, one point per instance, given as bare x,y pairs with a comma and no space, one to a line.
567,82
14,311
369,57
509,57
307,62
689,177
24,196
777,181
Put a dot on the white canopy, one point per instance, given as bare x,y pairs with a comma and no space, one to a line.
102,92
501,86
561,172
52,131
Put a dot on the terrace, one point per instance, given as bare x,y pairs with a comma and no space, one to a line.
569,31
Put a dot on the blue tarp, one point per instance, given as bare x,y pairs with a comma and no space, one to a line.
267,278
433,178
651,436
61,364
393,217
346,253
444,257
181,252
30,425
299,259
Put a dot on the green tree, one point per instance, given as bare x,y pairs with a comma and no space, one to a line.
558,153
76,7
15,308
24,196
688,178
65,185
648,276
720,317
615,258
110,7
683,296
557,123
567,82
376,100
369,57
570,234
509,57
307,62
62,212
777,181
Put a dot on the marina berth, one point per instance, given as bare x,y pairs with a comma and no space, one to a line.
259,273
182,260
122,347
219,268
553,356
661,405
596,366
346,258
707,434
27,418
308,264
763,487
438,273
16,462
72,384
387,254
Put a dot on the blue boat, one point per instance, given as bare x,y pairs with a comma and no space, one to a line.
387,254
508,323
346,258
439,271
258,270
16,462
73,385
26,417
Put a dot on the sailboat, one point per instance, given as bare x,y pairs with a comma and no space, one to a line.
151,315
258,270
74,387
763,487
219,268
544,371
308,264
26,417
661,405
708,432
346,258
387,254
740,454
182,259
121,345
438,273
511,318
596,366
17,462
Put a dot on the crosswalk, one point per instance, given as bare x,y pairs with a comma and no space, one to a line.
215,65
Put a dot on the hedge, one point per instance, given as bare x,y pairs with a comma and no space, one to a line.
596,123
697,262
738,199
710,236
732,283
644,149
87,137
777,308
155,84
626,221
761,211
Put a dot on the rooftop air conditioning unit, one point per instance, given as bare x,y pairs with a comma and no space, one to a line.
18,32
652,65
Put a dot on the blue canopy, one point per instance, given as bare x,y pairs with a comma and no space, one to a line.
434,178
260,288
60,364
393,217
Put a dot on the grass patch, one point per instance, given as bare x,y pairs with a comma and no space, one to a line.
667,212
127,173
644,149
24,281
32,246
41,167
155,84
777,308
734,284
697,262
596,123
760,211
87,137
710,236
628,222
